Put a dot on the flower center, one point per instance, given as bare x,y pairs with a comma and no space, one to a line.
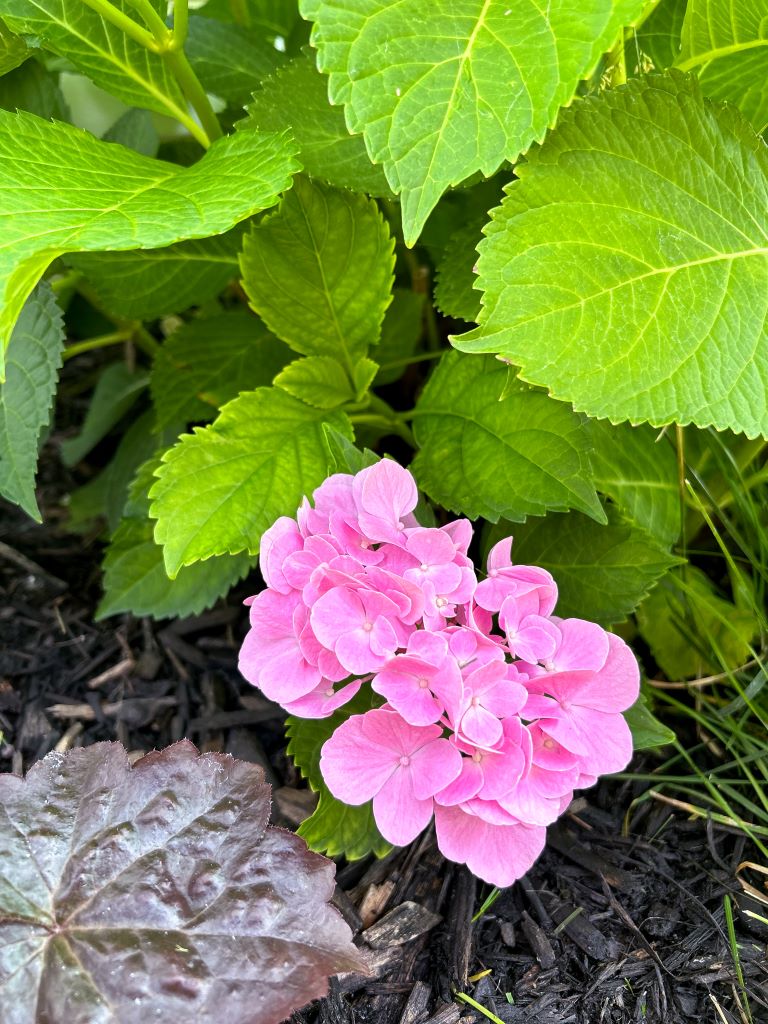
475,701
549,743
329,692
441,602
400,526
367,627
423,682
477,757
405,761
424,567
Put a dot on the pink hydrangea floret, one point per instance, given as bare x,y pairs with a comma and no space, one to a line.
487,710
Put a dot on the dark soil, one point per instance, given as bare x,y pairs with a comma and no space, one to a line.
610,926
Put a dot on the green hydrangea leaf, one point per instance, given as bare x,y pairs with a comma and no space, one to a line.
685,607
726,43
659,34
116,390
455,292
135,579
647,731
206,363
627,269
13,50
229,60
319,271
343,455
148,283
334,828
296,96
52,202
444,88
401,332
103,52
222,486
602,572
638,470
317,380
483,453
31,87
26,396
134,574
135,129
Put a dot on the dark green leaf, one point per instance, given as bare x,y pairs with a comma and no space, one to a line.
206,363
229,60
26,396
135,130
334,828
115,393
401,332
32,88
647,730
602,572
482,454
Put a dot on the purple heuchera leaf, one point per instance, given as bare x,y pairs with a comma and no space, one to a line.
158,892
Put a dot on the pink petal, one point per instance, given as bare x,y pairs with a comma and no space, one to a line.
323,700
480,727
399,815
277,543
464,786
433,767
583,646
353,768
498,854
384,495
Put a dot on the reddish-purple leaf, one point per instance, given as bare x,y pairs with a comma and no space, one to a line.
158,892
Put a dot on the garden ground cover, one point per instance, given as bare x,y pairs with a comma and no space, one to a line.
622,919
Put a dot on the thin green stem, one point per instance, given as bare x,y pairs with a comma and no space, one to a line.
102,341
180,23
647,12
391,426
120,20
477,1006
420,358
195,93
153,21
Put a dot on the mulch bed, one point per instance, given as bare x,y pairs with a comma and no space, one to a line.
608,926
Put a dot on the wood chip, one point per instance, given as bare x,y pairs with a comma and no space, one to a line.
416,1008
403,924
448,1015
540,944
120,669
374,901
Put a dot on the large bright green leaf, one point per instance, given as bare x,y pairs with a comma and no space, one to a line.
638,469
206,363
726,43
334,828
627,269
26,396
62,191
444,88
319,271
602,572
148,283
116,390
496,448
322,382
72,29
134,574
296,97
13,50
221,487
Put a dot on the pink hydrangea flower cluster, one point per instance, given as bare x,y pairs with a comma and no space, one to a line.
493,709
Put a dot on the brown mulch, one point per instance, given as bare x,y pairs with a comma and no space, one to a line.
607,927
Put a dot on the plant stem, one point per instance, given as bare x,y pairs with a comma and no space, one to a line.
391,426
180,23
420,358
120,20
92,343
154,22
195,93
240,13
